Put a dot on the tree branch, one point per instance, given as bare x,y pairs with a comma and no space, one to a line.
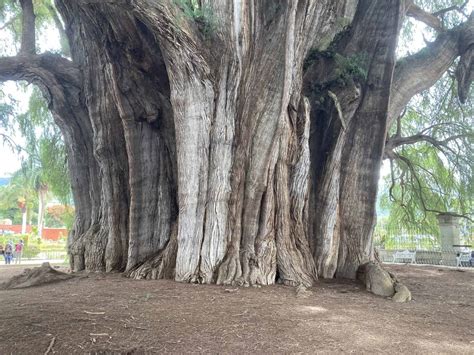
414,175
28,36
338,108
465,74
420,71
58,78
421,15
7,139
399,141
9,22
439,124
46,68
457,8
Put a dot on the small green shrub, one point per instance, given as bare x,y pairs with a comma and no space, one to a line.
202,15
31,251
15,238
353,67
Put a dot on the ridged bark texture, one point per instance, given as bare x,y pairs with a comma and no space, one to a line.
212,157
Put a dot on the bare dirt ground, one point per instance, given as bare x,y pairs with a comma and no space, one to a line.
105,314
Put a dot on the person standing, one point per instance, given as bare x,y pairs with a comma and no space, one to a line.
2,251
18,251
8,253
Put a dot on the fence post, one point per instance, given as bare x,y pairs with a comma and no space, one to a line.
449,230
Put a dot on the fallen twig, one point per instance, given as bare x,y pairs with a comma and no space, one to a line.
50,347
95,313
99,334
230,290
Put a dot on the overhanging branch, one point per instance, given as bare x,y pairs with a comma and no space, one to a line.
419,188
421,15
433,20
457,8
420,71
47,68
442,145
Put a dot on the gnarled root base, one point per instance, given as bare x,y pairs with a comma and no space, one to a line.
160,266
382,283
37,276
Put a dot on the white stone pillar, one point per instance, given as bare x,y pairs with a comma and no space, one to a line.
449,228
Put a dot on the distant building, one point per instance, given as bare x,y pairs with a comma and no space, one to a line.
4,181
48,233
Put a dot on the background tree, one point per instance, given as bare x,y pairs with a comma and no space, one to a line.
430,151
18,195
44,165
230,141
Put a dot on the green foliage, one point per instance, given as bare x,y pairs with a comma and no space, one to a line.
349,68
14,238
19,187
33,246
54,168
411,28
31,251
46,18
345,71
434,175
315,54
46,163
7,110
203,16
352,68
60,216
29,240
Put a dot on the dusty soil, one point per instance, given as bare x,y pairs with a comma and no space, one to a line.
109,313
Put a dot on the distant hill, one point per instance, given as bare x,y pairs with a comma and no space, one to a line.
4,181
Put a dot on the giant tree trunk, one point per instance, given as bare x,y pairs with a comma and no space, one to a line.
201,134
224,141
350,88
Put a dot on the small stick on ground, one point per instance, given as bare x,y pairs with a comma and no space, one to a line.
94,313
50,347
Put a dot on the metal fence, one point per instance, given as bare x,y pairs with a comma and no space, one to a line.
423,247
411,239
457,257
48,255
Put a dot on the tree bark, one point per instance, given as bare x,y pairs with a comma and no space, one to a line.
350,118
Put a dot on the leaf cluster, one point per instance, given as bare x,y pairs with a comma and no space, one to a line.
345,70
202,15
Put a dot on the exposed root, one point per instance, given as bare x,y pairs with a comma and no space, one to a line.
42,275
160,266
230,271
382,283
402,293
302,291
